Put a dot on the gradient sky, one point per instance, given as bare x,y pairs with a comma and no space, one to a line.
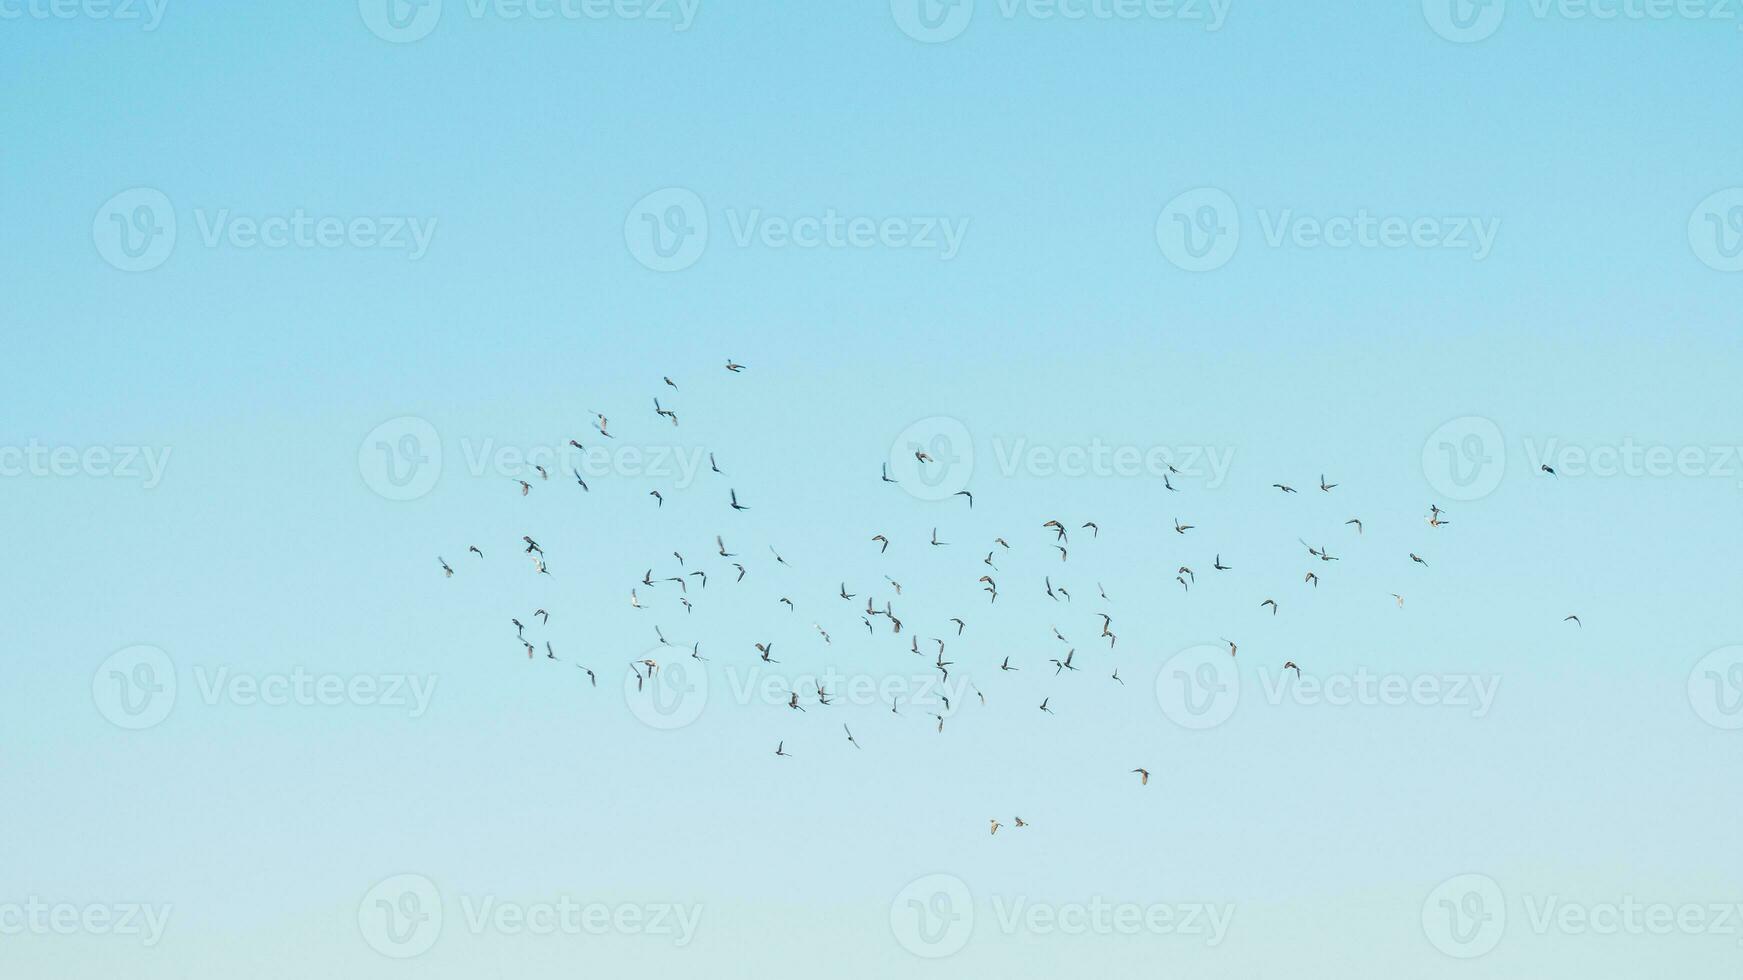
1604,153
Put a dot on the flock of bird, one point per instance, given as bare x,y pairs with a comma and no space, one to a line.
1053,533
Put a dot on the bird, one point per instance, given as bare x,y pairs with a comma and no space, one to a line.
1021,822
1143,776
1180,528
1418,559
887,474
1219,566
1575,620
1324,486
965,493
525,487
935,542
735,504
474,549
1400,600
740,571
1044,705
1270,602
850,737
1290,665
1117,677
960,625
1007,665
1545,467
542,474
579,480
1313,579
996,826
1094,529
733,366
591,676
1284,487
886,543
781,749
764,649
712,464
1232,647
669,382
656,495
1357,522
446,571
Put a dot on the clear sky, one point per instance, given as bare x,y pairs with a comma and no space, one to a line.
296,290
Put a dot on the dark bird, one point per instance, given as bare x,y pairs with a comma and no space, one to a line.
735,504
965,493
1143,776
1044,705
656,495
446,571
1324,485
733,367
474,549
1283,487
886,543
1270,602
1576,621
1417,559
1545,467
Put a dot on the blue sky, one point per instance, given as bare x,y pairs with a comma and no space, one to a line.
1452,244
